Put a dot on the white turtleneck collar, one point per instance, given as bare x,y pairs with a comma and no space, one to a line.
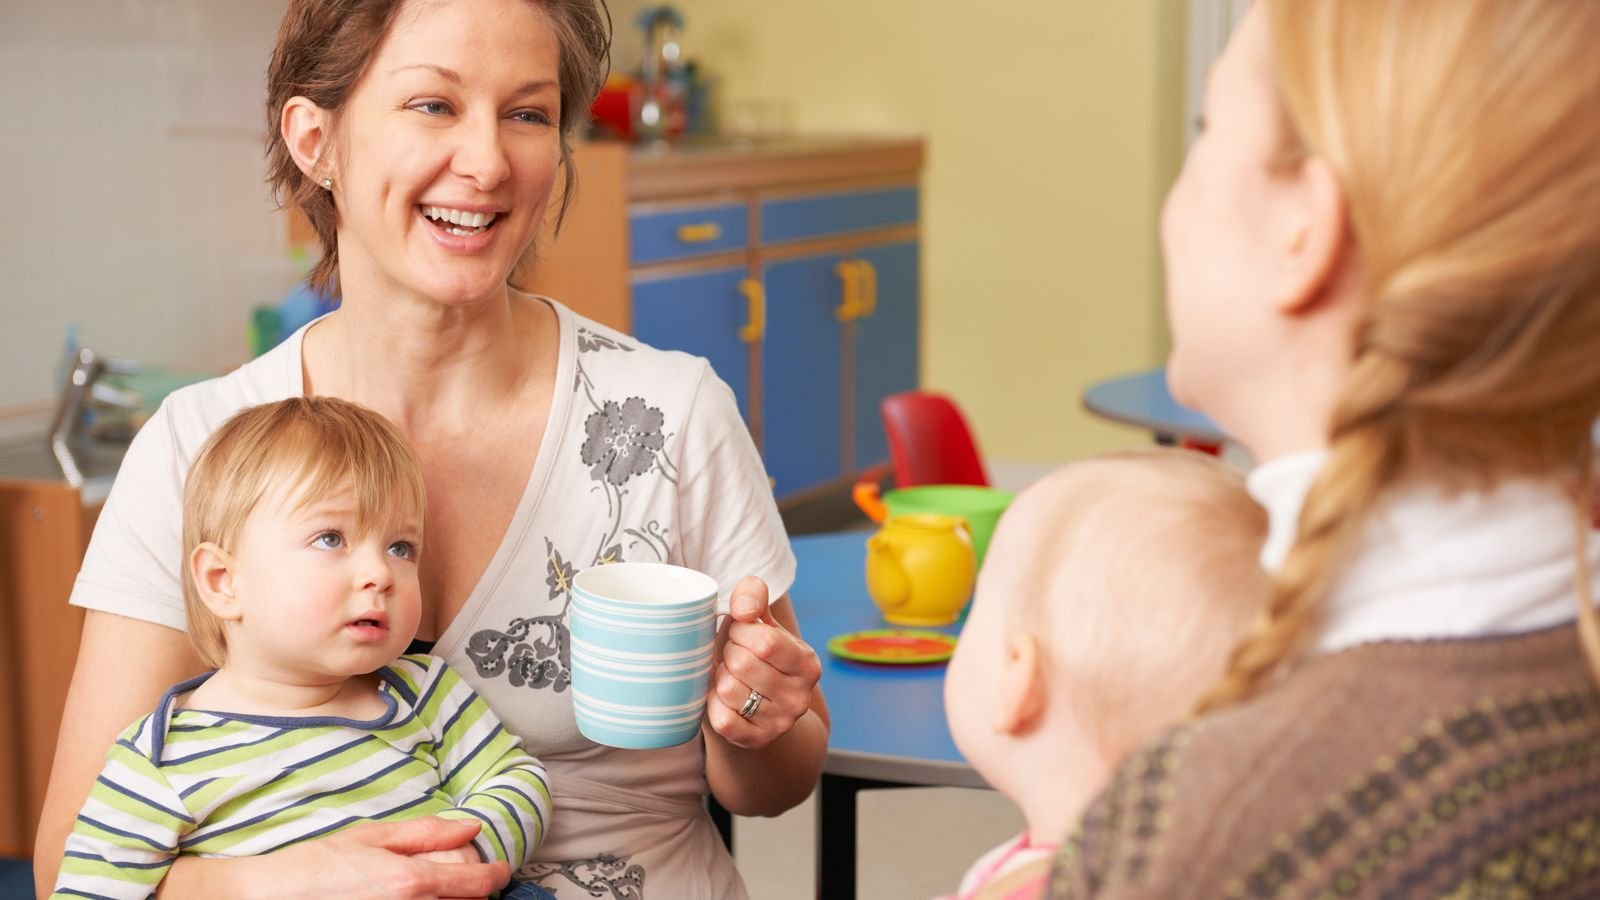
1431,565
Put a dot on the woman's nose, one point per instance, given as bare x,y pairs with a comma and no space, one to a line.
481,153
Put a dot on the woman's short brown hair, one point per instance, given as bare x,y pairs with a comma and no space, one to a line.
325,46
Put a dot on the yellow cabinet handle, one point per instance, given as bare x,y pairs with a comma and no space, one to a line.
850,307
869,292
755,297
703,233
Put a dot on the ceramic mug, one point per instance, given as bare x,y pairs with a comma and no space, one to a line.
642,635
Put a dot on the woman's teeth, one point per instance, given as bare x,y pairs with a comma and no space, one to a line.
458,222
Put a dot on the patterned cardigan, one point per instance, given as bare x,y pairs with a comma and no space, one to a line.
1451,768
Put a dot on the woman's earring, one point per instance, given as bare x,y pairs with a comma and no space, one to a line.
327,183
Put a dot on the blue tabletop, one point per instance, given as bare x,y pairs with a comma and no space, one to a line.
888,721
1143,399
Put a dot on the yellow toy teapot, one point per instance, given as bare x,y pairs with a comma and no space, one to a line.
920,569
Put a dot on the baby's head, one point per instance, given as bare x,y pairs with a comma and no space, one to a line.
1110,598
297,514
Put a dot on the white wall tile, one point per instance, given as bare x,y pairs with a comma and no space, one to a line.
137,204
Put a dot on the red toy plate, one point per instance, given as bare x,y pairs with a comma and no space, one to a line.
893,646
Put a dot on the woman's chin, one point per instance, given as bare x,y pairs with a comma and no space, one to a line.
466,291
1180,383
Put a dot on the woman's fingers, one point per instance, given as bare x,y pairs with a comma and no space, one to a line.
775,647
772,662
418,835
749,600
728,696
370,860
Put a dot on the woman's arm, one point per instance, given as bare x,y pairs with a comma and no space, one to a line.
769,763
123,667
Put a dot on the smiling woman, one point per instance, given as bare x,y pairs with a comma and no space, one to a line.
325,52
424,139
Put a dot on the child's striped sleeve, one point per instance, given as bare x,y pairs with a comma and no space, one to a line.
127,834
486,772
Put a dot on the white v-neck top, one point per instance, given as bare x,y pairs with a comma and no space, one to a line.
1434,565
644,458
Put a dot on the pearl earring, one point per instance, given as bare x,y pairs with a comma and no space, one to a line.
327,183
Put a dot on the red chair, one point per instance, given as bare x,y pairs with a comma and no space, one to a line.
929,442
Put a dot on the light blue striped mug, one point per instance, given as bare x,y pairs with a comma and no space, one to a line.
642,635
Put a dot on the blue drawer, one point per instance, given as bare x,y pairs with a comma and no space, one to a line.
820,215
680,233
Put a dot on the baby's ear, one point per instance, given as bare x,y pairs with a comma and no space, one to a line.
1021,698
212,570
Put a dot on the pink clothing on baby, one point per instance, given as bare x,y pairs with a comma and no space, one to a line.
1002,861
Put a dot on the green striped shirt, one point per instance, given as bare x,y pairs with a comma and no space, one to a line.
203,783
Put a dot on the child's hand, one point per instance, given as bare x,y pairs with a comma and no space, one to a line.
465,854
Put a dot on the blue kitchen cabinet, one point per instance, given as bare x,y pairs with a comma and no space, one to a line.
801,377
700,313
682,233
810,216
792,269
860,307
884,344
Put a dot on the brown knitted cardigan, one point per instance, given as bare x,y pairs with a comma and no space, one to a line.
1451,768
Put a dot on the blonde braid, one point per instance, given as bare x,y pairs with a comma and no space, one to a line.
1364,455
1583,513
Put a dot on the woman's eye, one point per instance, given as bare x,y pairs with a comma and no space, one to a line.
432,107
329,540
531,116
403,549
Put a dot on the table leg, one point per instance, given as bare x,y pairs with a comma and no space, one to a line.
836,832
836,838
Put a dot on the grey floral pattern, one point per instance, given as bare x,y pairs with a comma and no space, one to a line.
534,652
654,537
623,440
603,876
589,342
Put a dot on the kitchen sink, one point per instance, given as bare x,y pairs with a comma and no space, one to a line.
31,460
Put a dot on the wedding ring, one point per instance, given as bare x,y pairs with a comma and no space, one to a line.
751,704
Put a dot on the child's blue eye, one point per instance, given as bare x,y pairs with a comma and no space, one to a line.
403,549
329,540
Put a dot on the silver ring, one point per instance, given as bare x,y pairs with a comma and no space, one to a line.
751,704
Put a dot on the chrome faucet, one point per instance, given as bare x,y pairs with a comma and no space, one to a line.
660,110
82,391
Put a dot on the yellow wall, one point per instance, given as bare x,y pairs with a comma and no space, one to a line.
1053,129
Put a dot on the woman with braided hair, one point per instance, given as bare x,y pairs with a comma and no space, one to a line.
1383,260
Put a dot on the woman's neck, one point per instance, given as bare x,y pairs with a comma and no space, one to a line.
424,362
